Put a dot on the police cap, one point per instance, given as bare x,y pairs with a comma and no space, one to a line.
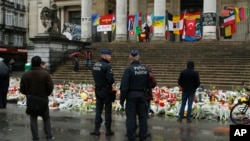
134,52
106,51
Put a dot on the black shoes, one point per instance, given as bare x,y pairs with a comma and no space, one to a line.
179,120
95,132
109,133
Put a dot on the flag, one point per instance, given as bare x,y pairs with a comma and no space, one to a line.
190,27
113,24
106,19
178,24
242,13
175,23
228,31
229,20
139,19
193,15
95,19
237,16
158,21
131,19
224,13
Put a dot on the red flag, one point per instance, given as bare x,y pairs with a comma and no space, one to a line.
139,19
131,19
190,26
106,19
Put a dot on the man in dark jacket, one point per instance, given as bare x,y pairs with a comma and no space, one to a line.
4,84
104,78
38,82
189,81
134,88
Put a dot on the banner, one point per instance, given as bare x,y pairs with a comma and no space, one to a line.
106,19
103,28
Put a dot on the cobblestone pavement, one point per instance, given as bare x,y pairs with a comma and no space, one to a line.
75,126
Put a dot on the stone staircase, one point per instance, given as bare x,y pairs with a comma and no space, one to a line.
222,64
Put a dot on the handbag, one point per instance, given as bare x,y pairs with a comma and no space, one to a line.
36,105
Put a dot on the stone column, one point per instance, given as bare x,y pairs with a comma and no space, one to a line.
209,13
143,6
62,18
121,20
133,8
33,19
159,10
86,20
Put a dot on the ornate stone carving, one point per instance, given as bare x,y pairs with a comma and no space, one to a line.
50,20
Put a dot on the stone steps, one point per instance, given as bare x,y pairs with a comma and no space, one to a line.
222,64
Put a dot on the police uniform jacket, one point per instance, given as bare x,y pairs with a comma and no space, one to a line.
102,73
36,81
135,81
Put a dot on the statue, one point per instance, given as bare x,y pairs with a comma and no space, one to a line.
50,20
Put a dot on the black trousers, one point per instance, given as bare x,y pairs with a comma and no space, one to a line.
136,107
103,101
3,99
46,126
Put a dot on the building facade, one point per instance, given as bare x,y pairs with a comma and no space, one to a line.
13,24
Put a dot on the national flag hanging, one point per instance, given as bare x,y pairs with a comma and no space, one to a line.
228,31
190,27
139,19
229,20
242,13
95,19
237,16
158,21
175,23
224,13
106,19
194,15
113,24
131,19
178,24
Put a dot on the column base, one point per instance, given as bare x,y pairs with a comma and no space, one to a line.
120,39
157,38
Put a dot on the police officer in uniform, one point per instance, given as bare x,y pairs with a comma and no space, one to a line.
104,78
134,86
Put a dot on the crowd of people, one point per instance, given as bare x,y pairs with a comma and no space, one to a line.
136,87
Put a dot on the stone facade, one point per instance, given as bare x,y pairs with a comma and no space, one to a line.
105,6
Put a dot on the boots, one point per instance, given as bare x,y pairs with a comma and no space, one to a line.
95,132
109,132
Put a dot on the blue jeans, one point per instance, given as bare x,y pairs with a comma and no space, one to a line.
186,97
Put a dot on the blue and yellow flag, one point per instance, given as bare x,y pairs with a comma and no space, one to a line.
95,19
158,21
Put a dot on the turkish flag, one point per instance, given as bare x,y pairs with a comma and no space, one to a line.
190,26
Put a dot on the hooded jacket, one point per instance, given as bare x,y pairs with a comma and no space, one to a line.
189,79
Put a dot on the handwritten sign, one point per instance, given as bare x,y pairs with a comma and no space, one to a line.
209,19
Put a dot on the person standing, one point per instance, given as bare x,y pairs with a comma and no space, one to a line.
76,64
104,79
11,64
189,81
88,58
134,89
4,84
147,31
38,82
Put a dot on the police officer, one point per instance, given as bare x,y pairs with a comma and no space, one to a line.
104,78
134,85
